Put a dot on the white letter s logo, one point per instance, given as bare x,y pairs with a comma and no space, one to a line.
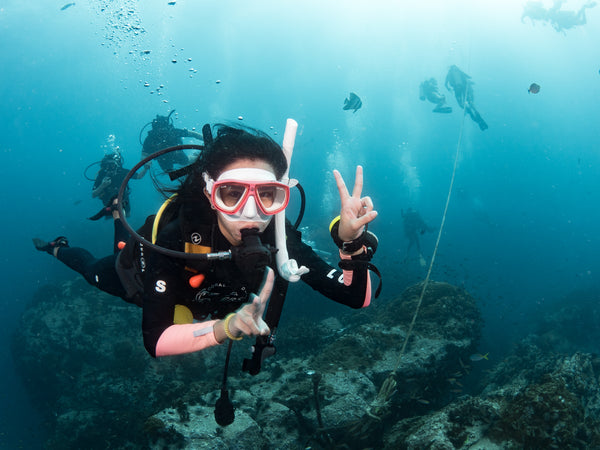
160,286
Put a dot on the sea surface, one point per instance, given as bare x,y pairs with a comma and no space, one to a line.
521,229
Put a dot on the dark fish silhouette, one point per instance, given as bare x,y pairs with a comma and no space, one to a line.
534,88
354,102
68,5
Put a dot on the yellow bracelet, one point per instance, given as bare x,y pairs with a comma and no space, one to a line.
333,222
226,328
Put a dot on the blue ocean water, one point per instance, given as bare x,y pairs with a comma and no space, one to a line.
521,228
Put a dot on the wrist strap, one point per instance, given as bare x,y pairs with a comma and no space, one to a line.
349,246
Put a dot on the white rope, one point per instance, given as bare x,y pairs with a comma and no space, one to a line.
380,404
437,244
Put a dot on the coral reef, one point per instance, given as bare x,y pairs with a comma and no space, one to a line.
571,324
558,410
82,360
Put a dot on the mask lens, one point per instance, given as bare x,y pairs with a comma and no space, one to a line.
272,197
229,196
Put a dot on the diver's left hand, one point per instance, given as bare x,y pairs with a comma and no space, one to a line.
248,319
356,211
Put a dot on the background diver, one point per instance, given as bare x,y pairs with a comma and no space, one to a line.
560,19
108,182
161,135
414,225
461,84
428,90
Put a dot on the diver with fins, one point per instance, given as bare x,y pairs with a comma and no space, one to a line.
461,84
428,90
204,267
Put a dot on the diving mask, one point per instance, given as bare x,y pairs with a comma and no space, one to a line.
248,194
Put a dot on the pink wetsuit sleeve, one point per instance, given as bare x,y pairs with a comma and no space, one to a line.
186,338
348,274
367,301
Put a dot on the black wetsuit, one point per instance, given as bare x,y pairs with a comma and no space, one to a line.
101,272
159,282
225,288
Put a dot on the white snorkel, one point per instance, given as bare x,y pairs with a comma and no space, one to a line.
288,268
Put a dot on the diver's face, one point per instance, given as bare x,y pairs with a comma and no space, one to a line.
160,124
111,167
250,215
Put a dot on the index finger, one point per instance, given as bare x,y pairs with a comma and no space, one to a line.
341,185
358,182
265,291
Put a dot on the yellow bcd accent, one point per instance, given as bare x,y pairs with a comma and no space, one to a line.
182,315
158,216
195,248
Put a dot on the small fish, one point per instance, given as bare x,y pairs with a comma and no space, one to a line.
353,102
68,5
534,88
478,357
456,391
171,3
422,401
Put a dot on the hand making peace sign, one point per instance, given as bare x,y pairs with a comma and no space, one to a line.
356,212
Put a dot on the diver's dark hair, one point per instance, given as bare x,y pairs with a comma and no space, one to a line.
231,144
163,121
112,158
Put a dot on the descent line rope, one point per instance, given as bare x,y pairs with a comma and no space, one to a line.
379,405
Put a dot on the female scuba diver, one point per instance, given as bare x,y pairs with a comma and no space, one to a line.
226,206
